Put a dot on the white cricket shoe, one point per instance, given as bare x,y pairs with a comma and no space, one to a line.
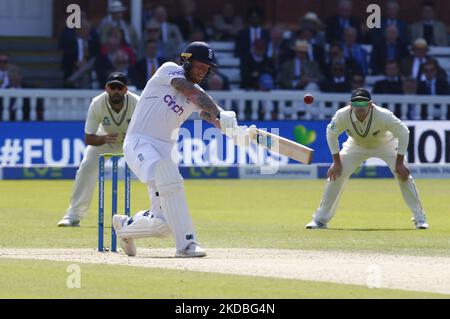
193,250
315,225
421,225
68,221
128,245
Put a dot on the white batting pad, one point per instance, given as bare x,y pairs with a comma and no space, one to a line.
144,225
169,184
154,199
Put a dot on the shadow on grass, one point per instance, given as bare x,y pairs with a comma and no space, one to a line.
373,229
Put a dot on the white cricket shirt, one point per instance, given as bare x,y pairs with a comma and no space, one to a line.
102,119
161,109
380,127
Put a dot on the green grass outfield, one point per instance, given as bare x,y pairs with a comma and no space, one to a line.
227,213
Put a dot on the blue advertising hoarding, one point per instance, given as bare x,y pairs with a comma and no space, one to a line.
62,143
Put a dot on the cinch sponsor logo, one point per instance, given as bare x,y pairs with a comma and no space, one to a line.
178,109
177,73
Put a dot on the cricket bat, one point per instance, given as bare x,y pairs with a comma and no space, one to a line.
281,145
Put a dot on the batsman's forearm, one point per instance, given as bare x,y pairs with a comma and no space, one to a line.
210,119
216,123
197,96
205,102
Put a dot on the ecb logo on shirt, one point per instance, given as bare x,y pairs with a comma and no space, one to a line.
106,121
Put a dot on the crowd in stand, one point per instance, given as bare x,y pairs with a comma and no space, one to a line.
317,56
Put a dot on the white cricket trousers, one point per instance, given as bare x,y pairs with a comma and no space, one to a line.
352,156
86,179
143,154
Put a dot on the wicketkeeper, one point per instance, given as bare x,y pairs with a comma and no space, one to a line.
106,124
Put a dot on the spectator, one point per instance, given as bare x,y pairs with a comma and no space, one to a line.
432,30
216,81
409,87
390,47
16,82
254,31
197,35
344,19
15,78
116,39
278,50
311,21
392,83
391,18
153,33
147,12
170,33
4,66
254,64
412,64
354,51
336,54
432,85
146,67
187,22
337,81
115,19
266,82
357,81
121,63
103,64
80,47
299,73
316,52
227,23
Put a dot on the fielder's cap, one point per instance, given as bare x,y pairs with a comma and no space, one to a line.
117,77
116,6
360,97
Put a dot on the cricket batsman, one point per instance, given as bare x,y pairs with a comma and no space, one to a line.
372,132
167,100
106,124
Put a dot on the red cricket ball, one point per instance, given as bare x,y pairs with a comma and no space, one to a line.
308,98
